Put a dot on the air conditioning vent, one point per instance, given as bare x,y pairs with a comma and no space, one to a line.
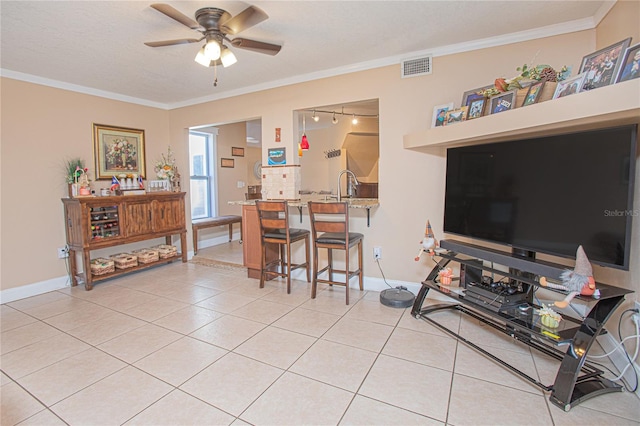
416,67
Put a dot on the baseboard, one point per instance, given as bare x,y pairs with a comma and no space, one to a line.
29,290
617,358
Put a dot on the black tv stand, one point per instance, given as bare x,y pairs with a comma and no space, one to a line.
576,380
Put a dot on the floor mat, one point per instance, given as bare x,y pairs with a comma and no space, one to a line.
216,263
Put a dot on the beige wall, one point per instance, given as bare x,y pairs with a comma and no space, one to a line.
231,135
41,126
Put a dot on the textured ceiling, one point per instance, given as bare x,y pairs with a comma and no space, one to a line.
99,45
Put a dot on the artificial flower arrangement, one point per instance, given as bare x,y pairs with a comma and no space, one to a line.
529,74
166,167
74,168
77,176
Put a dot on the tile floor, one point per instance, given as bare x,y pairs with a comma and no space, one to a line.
200,345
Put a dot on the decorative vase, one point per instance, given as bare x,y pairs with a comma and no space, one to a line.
73,190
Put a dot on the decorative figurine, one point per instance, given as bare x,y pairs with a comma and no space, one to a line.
429,242
579,281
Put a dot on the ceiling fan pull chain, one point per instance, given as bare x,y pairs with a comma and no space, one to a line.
215,75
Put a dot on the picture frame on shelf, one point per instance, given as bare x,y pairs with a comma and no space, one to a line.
237,151
118,150
533,94
457,115
570,86
601,67
227,162
439,114
473,95
502,102
630,64
476,108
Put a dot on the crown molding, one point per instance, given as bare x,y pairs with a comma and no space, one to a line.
517,37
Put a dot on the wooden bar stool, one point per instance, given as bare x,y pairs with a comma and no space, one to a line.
330,230
274,229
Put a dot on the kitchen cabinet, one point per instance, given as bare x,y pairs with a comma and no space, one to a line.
100,222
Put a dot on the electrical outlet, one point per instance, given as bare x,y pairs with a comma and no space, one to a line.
377,253
636,317
63,252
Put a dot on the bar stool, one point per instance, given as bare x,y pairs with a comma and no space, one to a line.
330,230
274,228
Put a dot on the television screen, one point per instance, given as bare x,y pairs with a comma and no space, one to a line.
547,194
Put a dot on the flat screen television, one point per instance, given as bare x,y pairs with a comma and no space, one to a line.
547,194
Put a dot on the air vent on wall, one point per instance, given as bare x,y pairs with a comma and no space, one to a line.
415,67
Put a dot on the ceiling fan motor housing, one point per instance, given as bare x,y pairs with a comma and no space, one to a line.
210,17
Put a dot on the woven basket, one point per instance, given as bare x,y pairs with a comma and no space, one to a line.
146,255
101,266
166,251
124,260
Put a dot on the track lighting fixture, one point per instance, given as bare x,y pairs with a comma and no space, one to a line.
334,119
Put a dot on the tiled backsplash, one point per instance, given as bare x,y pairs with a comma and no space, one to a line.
281,182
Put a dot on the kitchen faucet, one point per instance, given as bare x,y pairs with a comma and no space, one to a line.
351,175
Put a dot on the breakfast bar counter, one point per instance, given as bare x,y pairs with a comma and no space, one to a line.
251,248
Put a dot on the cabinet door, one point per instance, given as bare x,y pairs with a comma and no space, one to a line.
168,215
138,218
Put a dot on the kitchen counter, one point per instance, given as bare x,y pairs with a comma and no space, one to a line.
354,203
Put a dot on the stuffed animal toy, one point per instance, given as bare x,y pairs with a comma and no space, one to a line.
579,281
428,244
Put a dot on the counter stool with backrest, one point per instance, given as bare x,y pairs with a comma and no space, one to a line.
274,229
330,230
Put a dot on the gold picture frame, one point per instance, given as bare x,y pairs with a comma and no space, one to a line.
237,152
118,150
227,162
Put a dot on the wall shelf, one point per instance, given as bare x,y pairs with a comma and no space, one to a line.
613,105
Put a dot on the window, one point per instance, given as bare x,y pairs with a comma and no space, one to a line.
202,172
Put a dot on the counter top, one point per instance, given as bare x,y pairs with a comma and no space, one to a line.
354,203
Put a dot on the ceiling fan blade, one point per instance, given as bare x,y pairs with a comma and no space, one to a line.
171,42
243,20
256,46
175,14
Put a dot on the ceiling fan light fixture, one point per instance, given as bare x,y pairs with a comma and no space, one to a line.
227,57
212,50
202,59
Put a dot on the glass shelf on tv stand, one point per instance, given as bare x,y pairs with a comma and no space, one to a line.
576,379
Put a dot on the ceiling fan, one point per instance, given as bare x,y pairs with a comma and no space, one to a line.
216,25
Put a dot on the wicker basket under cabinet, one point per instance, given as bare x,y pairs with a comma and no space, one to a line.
124,260
101,266
146,255
166,251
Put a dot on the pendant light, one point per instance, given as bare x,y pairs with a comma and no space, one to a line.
315,117
334,120
304,143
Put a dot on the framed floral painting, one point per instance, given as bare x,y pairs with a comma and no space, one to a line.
118,150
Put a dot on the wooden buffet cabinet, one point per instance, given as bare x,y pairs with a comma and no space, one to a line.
94,223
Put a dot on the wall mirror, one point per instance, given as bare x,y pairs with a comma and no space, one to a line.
341,136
